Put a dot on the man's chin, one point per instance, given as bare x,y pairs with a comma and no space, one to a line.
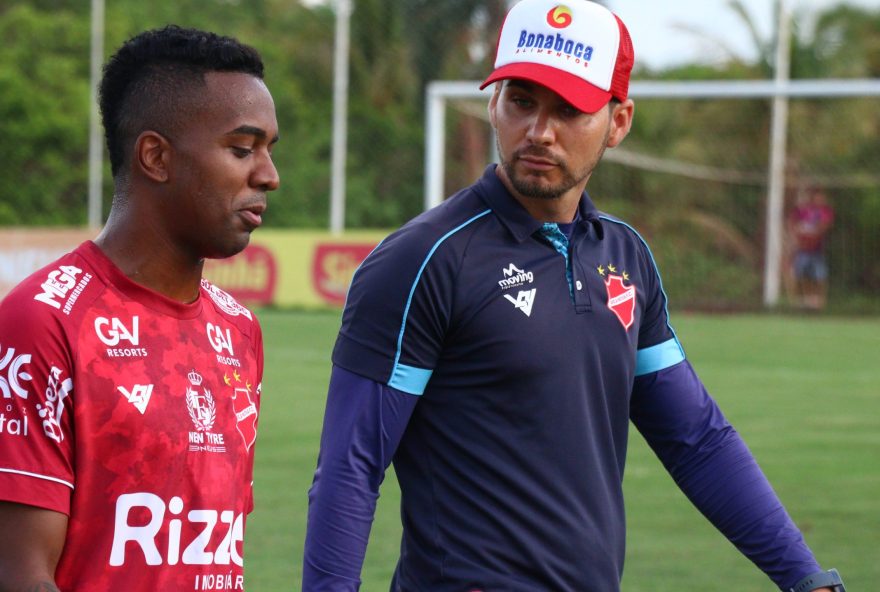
232,248
537,189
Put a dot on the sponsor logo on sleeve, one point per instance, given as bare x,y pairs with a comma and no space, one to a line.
57,390
13,425
12,373
63,287
224,301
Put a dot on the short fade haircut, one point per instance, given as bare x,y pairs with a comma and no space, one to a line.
149,83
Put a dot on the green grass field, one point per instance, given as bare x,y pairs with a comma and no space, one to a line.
804,392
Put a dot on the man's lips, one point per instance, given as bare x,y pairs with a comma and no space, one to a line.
253,214
537,163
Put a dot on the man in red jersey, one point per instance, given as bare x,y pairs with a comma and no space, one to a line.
130,386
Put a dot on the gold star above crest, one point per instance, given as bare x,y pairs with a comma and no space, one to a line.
247,385
226,380
612,269
601,270
236,376
626,276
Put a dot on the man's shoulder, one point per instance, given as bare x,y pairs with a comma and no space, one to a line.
226,306
453,218
58,290
619,227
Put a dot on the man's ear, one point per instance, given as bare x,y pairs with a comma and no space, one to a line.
621,121
152,153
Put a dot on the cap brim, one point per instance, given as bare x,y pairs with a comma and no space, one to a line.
575,90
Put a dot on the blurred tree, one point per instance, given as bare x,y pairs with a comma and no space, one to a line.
44,109
396,49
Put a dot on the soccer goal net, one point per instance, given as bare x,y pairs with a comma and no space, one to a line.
695,178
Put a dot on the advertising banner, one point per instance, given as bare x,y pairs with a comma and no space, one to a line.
285,268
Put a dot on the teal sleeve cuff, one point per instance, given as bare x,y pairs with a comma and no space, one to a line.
658,357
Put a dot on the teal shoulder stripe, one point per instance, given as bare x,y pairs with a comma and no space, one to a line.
657,357
410,379
397,365
672,342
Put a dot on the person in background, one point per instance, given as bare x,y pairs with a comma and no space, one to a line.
130,385
811,220
496,347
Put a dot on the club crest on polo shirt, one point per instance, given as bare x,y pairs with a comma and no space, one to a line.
621,294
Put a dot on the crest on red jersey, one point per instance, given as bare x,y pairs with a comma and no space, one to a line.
621,299
245,415
200,404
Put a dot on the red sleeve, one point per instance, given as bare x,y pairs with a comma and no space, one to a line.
258,352
37,389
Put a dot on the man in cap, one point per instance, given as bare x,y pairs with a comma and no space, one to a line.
496,347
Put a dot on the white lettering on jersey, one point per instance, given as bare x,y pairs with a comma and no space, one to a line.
13,426
219,582
56,391
219,340
11,383
58,283
117,331
196,552
524,300
515,277
139,396
227,303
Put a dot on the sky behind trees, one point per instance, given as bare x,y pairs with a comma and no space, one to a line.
659,41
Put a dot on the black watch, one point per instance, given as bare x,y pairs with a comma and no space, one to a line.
823,579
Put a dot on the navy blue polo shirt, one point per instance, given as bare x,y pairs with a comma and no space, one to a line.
524,356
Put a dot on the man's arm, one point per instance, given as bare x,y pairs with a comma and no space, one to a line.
363,423
30,547
714,468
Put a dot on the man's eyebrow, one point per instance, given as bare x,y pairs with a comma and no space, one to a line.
519,83
250,130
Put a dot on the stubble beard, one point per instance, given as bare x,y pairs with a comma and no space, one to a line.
537,190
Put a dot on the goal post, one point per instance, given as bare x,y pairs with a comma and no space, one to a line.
439,93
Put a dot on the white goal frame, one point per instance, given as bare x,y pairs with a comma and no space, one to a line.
438,93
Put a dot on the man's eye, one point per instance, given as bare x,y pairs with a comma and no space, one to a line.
241,152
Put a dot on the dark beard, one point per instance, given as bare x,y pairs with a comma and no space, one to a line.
534,189
537,190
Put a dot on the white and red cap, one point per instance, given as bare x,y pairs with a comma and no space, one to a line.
576,48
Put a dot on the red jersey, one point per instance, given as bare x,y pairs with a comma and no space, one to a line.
811,223
136,416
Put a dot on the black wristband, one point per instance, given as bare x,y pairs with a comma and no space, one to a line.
823,579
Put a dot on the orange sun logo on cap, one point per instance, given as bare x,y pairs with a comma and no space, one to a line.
559,17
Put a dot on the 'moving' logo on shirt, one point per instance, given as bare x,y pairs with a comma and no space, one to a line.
514,277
